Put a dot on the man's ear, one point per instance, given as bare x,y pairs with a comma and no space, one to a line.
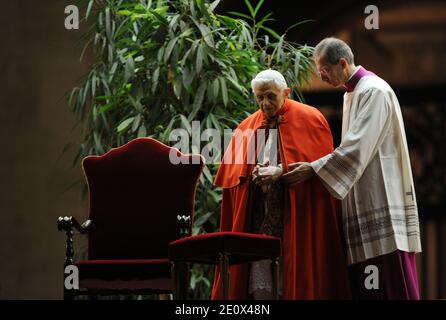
287,92
343,62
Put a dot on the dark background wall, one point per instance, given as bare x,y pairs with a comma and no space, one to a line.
39,61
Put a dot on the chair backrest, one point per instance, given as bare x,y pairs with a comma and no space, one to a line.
135,194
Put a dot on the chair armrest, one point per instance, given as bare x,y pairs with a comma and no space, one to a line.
67,224
70,223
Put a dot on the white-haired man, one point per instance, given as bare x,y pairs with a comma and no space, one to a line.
255,200
370,171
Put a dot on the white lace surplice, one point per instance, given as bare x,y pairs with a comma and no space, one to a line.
370,171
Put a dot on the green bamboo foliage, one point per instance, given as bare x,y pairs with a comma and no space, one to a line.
162,64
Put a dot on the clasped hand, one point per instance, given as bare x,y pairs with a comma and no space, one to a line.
264,175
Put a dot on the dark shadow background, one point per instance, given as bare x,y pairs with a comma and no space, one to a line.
40,64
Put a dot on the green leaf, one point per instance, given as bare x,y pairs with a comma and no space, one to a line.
142,132
242,15
296,64
93,85
186,55
101,20
136,122
73,92
198,100
174,22
199,61
271,32
264,19
186,33
139,58
103,98
207,35
97,141
129,68
167,131
159,17
215,87
199,4
139,7
188,77
94,113
169,48
247,36
124,124
177,87
90,6
107,22
198,223
215,196
224,91
155,77
213,5
193,281
160,54
192,8
185,123
105,107
125,12
299,23
215,122
207,174
112,71
259,4
206,281
251,9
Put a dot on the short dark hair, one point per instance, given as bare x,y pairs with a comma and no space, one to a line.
333,49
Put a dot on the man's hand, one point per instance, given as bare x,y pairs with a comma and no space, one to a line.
302,171
264,175
255,172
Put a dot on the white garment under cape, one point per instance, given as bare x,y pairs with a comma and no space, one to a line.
370,171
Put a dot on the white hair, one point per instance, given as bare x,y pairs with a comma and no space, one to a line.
268,76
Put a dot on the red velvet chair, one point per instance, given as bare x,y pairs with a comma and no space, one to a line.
135,194
223,249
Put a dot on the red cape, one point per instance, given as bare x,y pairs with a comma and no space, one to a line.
314,264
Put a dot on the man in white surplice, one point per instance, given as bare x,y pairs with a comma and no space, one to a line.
370,172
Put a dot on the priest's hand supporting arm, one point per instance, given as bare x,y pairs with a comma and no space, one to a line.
302,171
340,169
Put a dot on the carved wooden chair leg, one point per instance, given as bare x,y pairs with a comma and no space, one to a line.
68,224
181,280
69,253
68,294
224,267
174,276
185,279
275,273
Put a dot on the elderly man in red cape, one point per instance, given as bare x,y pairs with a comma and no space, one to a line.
256,200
